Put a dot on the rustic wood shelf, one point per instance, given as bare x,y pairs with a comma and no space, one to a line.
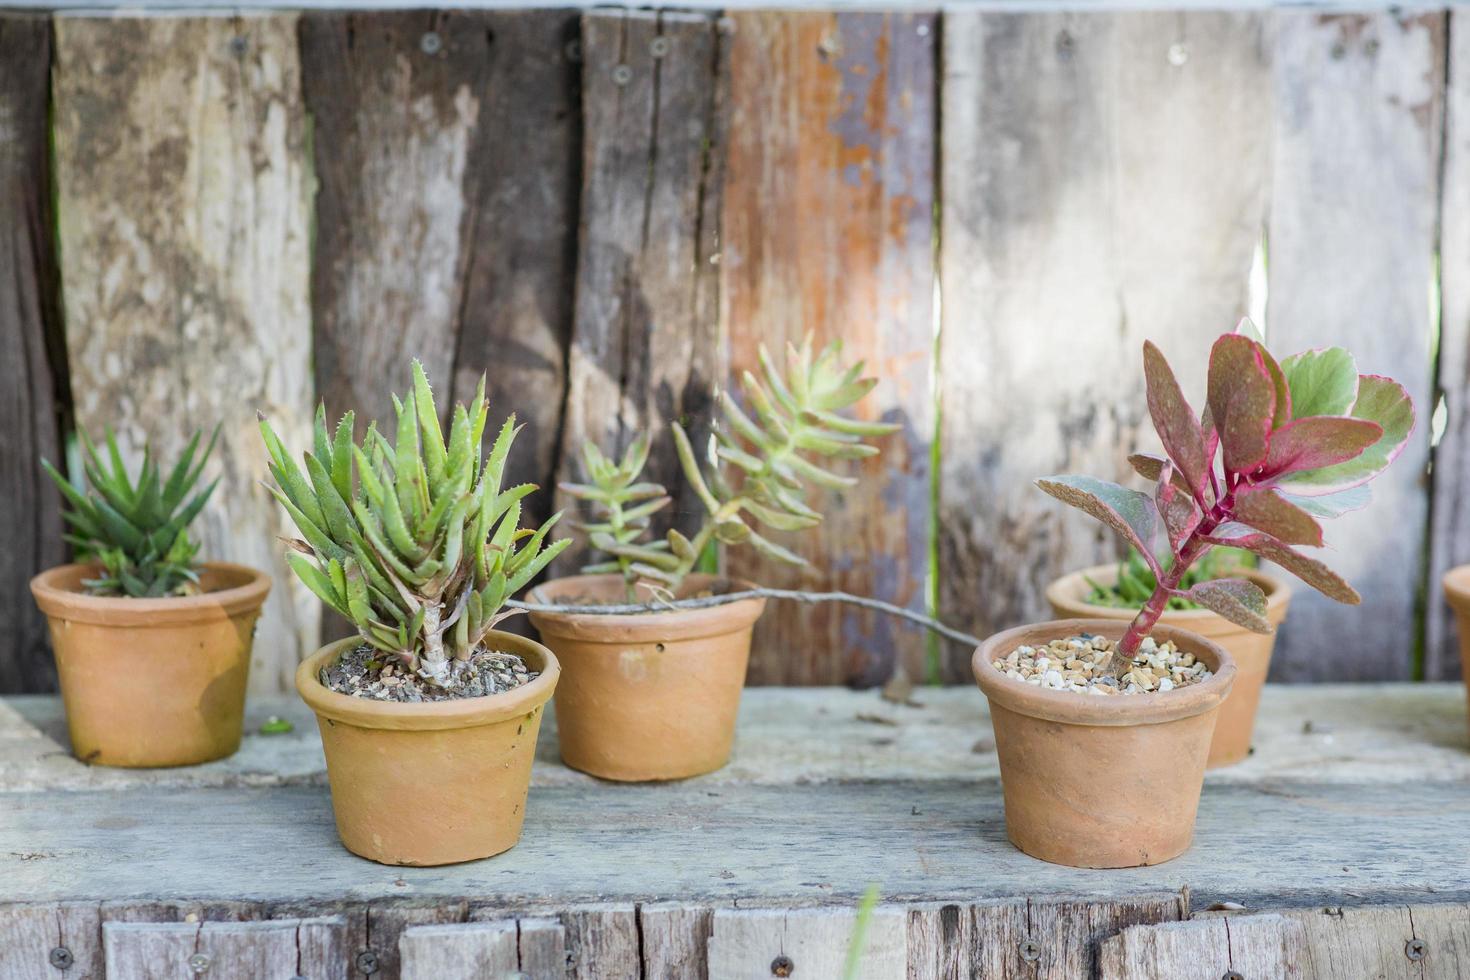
1355,795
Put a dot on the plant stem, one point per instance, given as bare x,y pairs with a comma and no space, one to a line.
705,602
1194,548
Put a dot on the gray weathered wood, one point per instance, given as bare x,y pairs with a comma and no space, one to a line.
601,941
1353,217
675,940
744,945
543,949
1257,946
1104,181
182,190
379,929
33,378
1449,532
828,228
645,350
29,934
472,949
516,312
1372,733
275,950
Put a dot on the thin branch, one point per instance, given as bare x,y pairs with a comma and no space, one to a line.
705,602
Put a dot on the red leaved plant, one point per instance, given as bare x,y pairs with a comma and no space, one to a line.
1278,447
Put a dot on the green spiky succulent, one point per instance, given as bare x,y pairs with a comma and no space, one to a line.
413,541
137,531
766,459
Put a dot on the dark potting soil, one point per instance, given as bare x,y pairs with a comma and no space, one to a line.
368,673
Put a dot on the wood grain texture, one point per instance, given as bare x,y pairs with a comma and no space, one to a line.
182,195
602,941
33,379
275,950
1353,224
1104,182
378,930
675,940
472,949
1449,529
543,949
645,350
828,228
29,934
1253,946
745,945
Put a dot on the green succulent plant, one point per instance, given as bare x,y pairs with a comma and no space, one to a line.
413,541
758,470
136,531
1136,580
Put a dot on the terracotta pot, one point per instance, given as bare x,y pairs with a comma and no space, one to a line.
1457,591
1101,782
153,682
646,696
1250,651
434,783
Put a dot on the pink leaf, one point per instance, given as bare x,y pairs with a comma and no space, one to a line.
1178,510
1317,441
1174,420
1309,570
1266,510
1149,466
1241,602
1129,512
1242,400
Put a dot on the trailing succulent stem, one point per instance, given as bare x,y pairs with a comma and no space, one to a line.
137,532
413,540
1279,446
769,469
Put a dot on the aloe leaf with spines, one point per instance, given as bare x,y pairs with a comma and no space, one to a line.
1279,447
413,541
136,530
756,473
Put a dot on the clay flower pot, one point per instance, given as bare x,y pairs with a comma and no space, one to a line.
646,696
153,682
1250,651
1457,591
430,783
1101,782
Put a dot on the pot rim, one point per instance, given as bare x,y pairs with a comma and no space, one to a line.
1456,584
436,715
1065,594
56,600
673,624
1071,708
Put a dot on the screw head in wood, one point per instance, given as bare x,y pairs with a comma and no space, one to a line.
1231,975
622,75
658,47
1416,949
366,962
61,958
1030,950
238,44
431,43
573,51
199,964
782,966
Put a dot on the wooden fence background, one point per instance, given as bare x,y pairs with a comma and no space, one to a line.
607,211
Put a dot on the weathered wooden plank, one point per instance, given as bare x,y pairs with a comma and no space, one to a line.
1251,946
1443,934
601,941
473,949
182,195
645,348
828,229
754,945
33,377
675,940
516,312
38,940
225,951
1449,530
1104,181
373,937
543,949
1366,942
1353,219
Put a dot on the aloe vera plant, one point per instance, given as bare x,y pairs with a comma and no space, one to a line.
1135,582
414,541
757,469
1279,447
137,531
